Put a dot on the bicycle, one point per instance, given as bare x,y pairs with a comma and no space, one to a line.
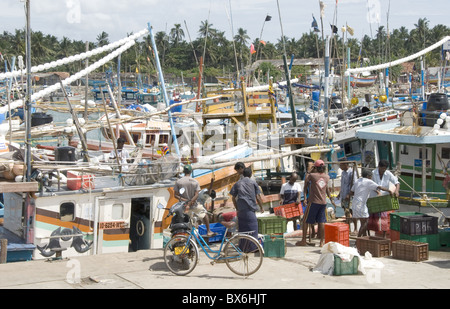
242,253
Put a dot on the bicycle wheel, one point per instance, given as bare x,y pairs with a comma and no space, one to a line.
243,255
180,257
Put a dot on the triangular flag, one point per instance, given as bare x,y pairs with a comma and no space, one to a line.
268,18
315,25
252,49
262,42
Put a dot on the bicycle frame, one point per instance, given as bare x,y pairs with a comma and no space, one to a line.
205,247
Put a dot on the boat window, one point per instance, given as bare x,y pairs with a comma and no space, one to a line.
150,139
67,211
163,139
136,137
445,153
117,212
403,149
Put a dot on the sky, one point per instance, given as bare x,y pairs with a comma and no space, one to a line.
86,19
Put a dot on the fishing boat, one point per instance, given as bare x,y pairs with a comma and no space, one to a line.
417,145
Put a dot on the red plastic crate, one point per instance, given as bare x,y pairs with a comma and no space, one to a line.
337,232
289,210
395,235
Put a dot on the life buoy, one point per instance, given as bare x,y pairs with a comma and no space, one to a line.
140,228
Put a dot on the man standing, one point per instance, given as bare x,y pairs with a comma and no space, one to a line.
379,222
348,179
246,197
291,193
190,195
316,201
361,191
122,154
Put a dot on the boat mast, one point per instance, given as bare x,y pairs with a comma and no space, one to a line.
28,94
163,88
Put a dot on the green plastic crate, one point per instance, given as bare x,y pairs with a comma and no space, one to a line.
272,225
431,239
382,203
274,246
345,268
444,237
395,218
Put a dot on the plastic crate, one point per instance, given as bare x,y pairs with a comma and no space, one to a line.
337,232
78,180
382,203
377,246
345,268
395,235
432,240
272,225
274,246
214,227
395,218
289,210
19,252
444,237
419,225
409,250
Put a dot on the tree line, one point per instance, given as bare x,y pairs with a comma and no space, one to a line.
178,53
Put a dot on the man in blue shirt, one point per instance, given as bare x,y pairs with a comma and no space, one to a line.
246,197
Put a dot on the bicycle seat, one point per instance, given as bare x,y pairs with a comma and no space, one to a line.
180,226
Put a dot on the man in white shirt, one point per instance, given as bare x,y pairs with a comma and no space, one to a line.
123,154
379,222
291,193
361,191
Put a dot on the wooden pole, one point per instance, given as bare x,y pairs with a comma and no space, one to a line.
76,122
3,250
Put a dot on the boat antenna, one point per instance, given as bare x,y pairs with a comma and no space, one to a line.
190,42
287,73
230,21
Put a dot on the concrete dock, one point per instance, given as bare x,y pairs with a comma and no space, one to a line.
146,269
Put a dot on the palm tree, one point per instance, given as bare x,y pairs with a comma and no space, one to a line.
102,39
206,29
177,34
39,49
420,34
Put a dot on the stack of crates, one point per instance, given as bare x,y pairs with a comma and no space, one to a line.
337,232
272,228
415,226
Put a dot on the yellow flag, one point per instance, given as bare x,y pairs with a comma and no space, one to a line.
350,30
137,71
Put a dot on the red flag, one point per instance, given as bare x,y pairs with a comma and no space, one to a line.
252,49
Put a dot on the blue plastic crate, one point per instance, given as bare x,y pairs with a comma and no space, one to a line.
19,252
214,227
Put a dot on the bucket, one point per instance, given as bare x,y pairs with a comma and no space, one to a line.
176,109
66,154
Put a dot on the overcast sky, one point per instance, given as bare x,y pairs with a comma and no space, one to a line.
85,19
